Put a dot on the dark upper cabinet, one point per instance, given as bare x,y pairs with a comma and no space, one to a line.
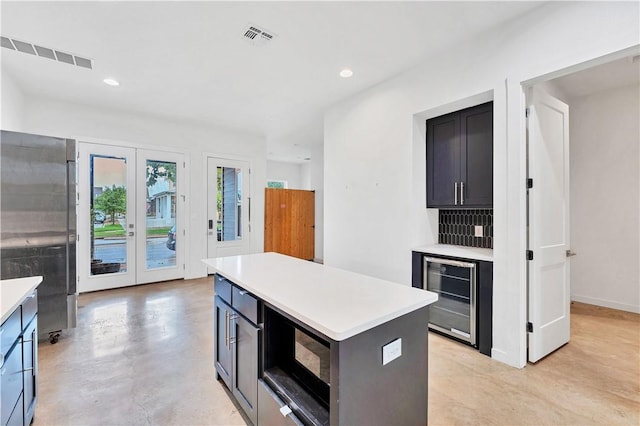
460,159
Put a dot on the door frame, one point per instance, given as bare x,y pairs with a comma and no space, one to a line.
110,144
252,208
513,254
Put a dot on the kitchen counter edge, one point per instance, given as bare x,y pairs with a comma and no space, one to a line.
474,253
14,291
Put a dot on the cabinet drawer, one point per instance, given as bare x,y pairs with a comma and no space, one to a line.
29,308
11,376
10,331
246,304
223,288
269,408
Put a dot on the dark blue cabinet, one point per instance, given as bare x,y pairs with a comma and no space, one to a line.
460,159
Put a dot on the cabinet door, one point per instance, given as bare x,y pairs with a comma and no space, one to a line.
222,341
245,369
30,374
443,160
476,130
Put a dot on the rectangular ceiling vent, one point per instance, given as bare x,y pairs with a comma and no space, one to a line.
45,52
257,35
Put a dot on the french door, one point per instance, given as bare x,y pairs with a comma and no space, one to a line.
228,207
130,221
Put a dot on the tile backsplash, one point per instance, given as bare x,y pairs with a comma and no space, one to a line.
457,227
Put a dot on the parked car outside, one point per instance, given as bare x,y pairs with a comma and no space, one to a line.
171,238
99,217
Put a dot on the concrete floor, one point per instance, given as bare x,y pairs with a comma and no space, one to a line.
143,355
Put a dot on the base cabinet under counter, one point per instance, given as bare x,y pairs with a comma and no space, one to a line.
478,314
303,377
19,363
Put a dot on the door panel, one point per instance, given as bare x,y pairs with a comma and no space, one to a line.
106,218
476,129
222,343
245,356
549,283
443,160
160,240
290,222
228,207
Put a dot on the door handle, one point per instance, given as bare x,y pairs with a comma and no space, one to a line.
455,193
210,224
570,253
131,234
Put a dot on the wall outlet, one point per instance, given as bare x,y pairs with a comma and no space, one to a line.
478,231
391,351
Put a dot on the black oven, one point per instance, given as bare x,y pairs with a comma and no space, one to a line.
455,311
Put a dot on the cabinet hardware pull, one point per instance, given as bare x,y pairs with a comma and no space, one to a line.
31,296
243,292
226,329
455,193
28,369
461,193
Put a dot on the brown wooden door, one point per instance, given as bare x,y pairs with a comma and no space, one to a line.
289,222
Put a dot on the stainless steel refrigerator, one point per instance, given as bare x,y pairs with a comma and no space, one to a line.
38,223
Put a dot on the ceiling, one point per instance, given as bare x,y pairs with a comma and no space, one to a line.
189,60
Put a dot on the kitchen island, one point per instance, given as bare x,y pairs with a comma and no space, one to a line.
303,343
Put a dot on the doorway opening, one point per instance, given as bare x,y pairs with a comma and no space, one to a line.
130,216
603,191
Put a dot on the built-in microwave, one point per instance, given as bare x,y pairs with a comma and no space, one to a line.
296,366
454,281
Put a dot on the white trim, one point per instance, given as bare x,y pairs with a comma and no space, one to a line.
606,303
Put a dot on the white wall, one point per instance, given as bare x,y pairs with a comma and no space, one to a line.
605,193
11,103
374,149
47,117
289,172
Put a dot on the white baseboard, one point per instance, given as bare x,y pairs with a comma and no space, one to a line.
503,357
606,303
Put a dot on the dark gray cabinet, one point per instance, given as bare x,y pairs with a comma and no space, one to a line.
19,364
236,343
460,159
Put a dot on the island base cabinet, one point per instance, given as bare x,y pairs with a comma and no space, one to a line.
371,388
269,406
245,368
222,350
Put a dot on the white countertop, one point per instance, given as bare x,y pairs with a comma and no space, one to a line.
474,253
13,292
335,302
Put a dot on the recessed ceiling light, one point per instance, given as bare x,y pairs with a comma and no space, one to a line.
346,73
111,82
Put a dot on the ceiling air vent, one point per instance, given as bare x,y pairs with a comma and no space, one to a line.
46,52
257,35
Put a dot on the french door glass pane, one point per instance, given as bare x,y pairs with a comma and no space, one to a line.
229,203
108,208
161,214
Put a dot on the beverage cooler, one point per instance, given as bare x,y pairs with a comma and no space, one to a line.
454,313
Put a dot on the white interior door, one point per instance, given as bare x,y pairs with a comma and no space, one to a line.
160,218
106,217
228,207
130,220
549,283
